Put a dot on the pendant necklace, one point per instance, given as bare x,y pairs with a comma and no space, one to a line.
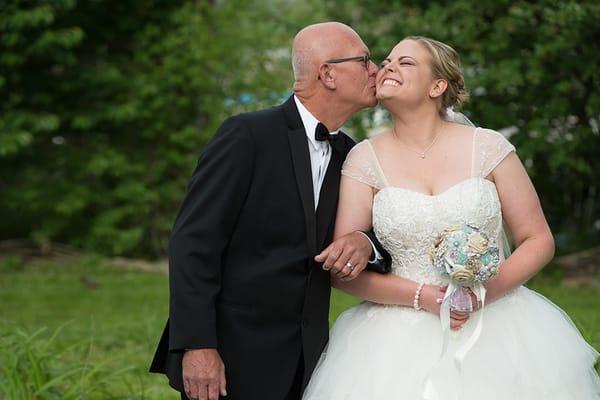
420,153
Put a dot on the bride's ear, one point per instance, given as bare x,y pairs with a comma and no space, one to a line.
438,88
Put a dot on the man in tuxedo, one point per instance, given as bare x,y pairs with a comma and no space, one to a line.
249,301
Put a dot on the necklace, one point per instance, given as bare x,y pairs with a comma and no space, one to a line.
420,153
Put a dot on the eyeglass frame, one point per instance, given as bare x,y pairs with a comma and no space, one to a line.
365,59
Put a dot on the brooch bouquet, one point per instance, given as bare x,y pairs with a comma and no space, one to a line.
468,257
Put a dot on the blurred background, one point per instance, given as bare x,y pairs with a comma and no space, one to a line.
105,106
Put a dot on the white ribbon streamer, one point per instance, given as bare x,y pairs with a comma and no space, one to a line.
430,392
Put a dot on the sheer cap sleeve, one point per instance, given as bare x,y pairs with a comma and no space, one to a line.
362,166
489,149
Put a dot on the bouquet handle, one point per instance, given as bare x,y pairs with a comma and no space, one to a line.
430,392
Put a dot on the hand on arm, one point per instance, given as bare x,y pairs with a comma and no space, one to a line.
525,220
354,214
347,256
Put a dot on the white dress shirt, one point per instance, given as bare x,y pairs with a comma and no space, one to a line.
320,151
320,154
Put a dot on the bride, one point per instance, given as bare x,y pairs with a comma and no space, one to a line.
409,184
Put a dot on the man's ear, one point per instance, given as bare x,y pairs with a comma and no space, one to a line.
438,88
327,76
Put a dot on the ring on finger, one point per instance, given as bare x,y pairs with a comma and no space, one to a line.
349,266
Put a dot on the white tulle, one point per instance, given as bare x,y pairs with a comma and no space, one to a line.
528,348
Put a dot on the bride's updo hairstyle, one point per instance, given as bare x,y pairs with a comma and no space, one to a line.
445,64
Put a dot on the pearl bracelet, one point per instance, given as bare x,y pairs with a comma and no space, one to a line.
417,296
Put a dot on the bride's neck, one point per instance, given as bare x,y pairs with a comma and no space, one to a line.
417,129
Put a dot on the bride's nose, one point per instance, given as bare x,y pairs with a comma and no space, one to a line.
391,66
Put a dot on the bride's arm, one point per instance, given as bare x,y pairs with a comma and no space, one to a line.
354,214
525,220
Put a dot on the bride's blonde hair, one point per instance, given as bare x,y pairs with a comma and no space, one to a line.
446,65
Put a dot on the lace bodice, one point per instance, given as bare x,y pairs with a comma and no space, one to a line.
407,222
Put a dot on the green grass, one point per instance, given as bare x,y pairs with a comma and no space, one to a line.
106,322
119,322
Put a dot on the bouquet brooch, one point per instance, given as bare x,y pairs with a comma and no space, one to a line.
468,257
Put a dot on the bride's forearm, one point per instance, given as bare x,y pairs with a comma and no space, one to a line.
526,261
379,288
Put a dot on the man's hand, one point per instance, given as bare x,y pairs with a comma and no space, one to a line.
347,256
203,374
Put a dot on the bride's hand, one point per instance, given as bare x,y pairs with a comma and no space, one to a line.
431,300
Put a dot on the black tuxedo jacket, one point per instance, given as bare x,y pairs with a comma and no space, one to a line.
241,269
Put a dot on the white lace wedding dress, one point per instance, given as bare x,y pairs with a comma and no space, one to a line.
529,349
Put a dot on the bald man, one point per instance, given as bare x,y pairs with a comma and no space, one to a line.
249,261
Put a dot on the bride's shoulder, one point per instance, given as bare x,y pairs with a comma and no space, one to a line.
370,144
380,139
490,137
360,148
481,136
459,134
490,147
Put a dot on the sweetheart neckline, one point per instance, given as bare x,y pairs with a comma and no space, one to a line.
437,194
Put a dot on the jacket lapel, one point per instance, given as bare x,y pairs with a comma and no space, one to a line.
328,197
302,170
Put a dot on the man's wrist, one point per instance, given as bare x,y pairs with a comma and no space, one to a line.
375,256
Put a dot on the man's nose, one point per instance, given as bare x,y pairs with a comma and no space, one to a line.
373,69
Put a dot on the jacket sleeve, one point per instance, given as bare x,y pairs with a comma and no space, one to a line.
205,221
382,265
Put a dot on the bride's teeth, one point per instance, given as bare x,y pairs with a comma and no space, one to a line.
390,82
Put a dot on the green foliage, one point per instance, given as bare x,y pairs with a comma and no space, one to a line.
105,105
116,326
115,318
34,366
531,67
108,104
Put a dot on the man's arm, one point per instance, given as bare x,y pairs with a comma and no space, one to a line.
215,196
380,260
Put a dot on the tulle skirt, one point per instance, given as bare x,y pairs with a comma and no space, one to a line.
529,349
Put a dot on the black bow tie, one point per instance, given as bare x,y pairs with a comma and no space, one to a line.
322,133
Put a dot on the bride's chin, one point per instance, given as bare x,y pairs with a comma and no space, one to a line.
384,100
381,96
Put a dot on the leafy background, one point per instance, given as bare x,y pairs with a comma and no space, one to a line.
105,105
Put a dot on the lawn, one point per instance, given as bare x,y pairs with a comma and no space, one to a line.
113,317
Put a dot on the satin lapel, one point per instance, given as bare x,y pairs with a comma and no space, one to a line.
302,170
328,197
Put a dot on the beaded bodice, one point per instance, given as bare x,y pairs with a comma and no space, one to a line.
408,222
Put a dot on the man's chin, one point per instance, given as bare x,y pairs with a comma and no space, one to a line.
372,102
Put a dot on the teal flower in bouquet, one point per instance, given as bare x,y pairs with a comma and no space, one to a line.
466,255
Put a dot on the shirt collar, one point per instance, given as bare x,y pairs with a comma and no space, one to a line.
310,123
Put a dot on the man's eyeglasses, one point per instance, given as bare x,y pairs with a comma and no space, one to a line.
363,59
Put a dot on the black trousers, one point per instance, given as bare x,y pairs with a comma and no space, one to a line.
295,391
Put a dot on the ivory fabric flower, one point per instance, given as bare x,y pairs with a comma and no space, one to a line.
477,243
462,277
465,254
